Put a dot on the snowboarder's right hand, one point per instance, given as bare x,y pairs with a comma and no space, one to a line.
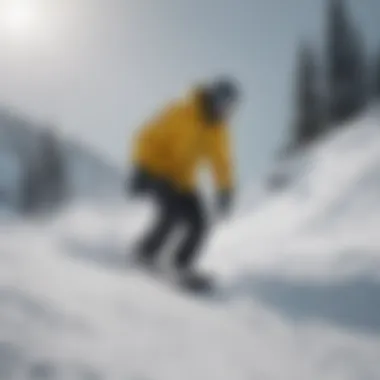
136,182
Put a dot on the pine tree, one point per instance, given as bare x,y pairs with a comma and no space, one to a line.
308,115
30,187
52,169
359,78
377,78
346,64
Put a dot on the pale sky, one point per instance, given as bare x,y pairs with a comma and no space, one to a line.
98,68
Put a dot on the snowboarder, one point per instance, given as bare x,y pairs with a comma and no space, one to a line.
167,153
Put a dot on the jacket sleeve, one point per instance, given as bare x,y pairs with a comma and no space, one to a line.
219,154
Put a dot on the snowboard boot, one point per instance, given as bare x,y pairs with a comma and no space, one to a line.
189,278
145,262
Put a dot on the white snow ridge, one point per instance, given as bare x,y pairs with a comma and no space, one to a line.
298,274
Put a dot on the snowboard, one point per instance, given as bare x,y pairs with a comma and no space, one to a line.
196,282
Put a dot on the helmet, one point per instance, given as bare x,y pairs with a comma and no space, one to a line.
222,95
224,90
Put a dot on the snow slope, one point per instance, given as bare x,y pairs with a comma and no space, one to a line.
298,275
69,312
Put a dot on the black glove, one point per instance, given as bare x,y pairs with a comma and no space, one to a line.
224,202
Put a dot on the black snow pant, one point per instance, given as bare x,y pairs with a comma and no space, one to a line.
176,210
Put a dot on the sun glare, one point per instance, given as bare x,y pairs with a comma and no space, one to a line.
19,18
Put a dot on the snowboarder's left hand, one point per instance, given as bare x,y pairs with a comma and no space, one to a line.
224,202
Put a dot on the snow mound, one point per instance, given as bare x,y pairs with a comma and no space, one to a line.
87,174
327,216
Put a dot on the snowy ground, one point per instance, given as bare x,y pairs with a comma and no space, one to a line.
299,273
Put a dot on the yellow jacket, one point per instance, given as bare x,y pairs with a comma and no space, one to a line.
175,143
